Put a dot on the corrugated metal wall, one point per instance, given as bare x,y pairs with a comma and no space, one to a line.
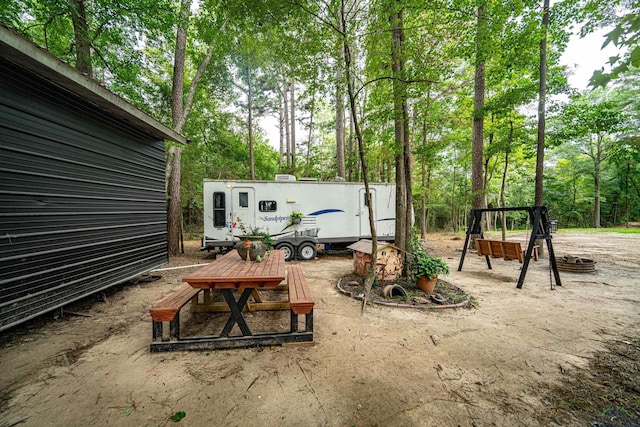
82,202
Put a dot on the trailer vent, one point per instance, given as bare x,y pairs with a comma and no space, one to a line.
285,177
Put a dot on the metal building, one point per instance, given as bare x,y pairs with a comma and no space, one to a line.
82,184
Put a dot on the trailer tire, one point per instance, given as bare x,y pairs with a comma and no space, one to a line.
307,251
289,252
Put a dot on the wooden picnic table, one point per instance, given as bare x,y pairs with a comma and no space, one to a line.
230,273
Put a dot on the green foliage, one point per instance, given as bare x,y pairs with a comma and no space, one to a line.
422,265
178,416
266,238
256,232
133,40
116,29
295,216
625,33
594,162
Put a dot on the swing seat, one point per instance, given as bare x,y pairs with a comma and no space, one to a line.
503,249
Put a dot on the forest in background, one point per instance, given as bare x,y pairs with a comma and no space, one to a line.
402,79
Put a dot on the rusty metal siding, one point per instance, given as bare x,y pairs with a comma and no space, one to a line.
82,198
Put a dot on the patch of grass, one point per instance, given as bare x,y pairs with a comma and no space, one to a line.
622,230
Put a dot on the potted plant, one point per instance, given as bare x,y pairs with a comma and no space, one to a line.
426,270
253,241
295,217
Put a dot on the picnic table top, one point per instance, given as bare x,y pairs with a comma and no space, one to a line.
230,271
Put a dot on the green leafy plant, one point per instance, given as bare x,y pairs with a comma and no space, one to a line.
424,265
255,231
295,217
178,416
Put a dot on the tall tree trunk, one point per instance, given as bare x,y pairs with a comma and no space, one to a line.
542,100
287,129
181,108
423,201
626,193
400,127
454,216
312,108
352,162
174,214
477,187
401,203
486,177
340,118
596,202
191,93
174,220
178,63
293,127
503,216
542,97
423,181
281,114
427,215
597,162
369,277
81,37
252,166
408,168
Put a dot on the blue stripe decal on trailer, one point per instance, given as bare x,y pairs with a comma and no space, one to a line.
325,211
316,213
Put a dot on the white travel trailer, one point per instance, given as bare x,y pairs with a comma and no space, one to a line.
334,213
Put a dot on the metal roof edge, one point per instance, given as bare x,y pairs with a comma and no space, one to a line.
28,55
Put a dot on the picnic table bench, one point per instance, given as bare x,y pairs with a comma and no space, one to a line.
300,300
225,275
168,310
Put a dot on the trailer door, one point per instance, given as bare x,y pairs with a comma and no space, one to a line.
243,206
365,230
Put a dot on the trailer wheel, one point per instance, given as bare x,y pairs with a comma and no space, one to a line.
307,251
289,253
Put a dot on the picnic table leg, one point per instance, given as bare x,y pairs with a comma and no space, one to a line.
294,322
308,322
236,311
174,327
157,331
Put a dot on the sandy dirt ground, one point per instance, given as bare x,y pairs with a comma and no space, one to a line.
489,365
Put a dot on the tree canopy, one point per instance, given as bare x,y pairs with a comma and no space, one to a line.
395,76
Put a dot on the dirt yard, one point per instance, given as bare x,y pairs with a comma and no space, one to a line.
495,364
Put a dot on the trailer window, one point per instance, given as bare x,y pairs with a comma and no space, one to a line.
267,205
243,200
219,211
366,201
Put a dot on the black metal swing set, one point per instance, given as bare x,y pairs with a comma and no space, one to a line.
540,230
